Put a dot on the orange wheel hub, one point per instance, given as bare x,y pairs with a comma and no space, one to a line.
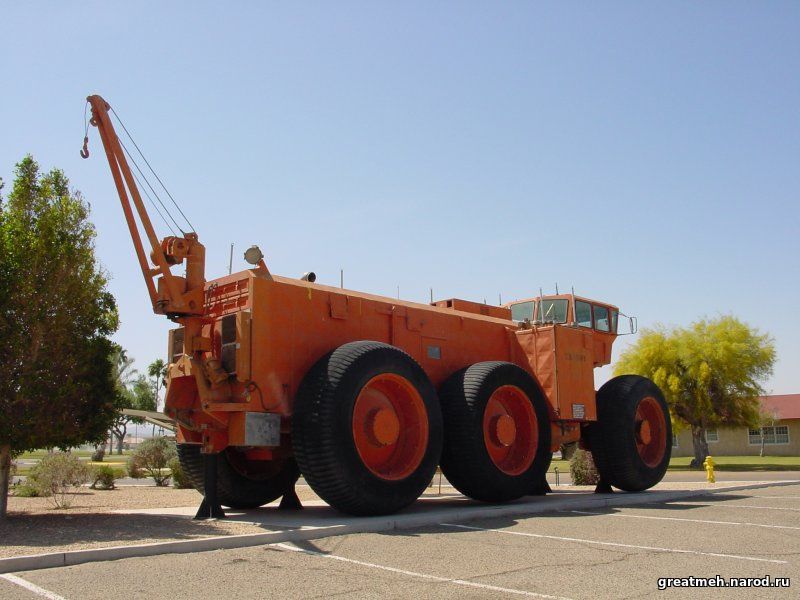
390,426
510,430
651,431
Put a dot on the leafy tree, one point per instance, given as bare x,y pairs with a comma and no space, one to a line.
122,373
709,373
55,319
137,393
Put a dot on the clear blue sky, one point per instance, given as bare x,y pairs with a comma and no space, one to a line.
646,153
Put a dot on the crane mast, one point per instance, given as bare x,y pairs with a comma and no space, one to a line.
171,295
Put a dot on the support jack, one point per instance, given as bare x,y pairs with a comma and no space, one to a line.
290,501
210,508
603,487
541,488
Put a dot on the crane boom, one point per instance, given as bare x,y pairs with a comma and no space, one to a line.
170,294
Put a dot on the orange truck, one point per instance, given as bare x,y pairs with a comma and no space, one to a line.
275,377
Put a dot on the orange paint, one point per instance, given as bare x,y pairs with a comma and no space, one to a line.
248,339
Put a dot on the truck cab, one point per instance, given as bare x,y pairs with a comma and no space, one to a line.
563,338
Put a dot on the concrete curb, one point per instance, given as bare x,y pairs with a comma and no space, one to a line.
401,521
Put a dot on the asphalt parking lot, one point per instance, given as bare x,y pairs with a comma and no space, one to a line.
604,553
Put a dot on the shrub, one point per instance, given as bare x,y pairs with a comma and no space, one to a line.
104,477
134,469
59,476
25,490
582,468
568,450
179,478
99,454
153,455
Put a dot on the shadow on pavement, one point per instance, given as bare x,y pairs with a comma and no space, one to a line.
58,530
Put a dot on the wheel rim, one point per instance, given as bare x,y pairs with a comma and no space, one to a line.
651,431
390,426
510,430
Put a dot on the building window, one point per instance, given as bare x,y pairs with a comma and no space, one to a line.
712,435
778,434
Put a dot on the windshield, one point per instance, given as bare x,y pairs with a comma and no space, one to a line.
553,311
522,311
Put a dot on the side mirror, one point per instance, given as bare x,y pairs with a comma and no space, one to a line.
634,323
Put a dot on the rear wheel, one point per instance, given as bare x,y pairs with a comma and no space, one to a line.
241,482
497,432
367,429
632,440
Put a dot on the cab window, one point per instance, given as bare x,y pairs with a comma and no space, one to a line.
553,311
522,311
583,314
614,320
601,318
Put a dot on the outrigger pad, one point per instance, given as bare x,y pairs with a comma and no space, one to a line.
603,487
290,501
210,508
542,488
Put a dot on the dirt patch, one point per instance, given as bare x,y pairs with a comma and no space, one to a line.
33,526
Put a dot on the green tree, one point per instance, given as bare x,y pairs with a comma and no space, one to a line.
157,371
122,373
55,319
710,373
136,393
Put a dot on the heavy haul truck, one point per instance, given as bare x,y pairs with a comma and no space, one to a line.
271,377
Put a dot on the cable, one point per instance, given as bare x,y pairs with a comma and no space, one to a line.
135,164
153,204
151,170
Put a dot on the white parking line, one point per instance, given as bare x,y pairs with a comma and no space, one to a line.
775,497
473,584
617,544
734,506
599,514
31,587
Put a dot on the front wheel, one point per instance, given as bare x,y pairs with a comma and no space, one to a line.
632,440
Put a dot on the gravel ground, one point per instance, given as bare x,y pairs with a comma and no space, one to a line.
35,527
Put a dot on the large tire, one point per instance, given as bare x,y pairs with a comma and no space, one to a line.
236,487
367,429
631,442
497,432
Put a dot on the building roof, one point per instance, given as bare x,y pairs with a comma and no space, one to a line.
783,406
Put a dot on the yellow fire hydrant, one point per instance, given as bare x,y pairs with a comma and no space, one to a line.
708,463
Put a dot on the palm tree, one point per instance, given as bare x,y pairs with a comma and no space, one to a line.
123,373
157,370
